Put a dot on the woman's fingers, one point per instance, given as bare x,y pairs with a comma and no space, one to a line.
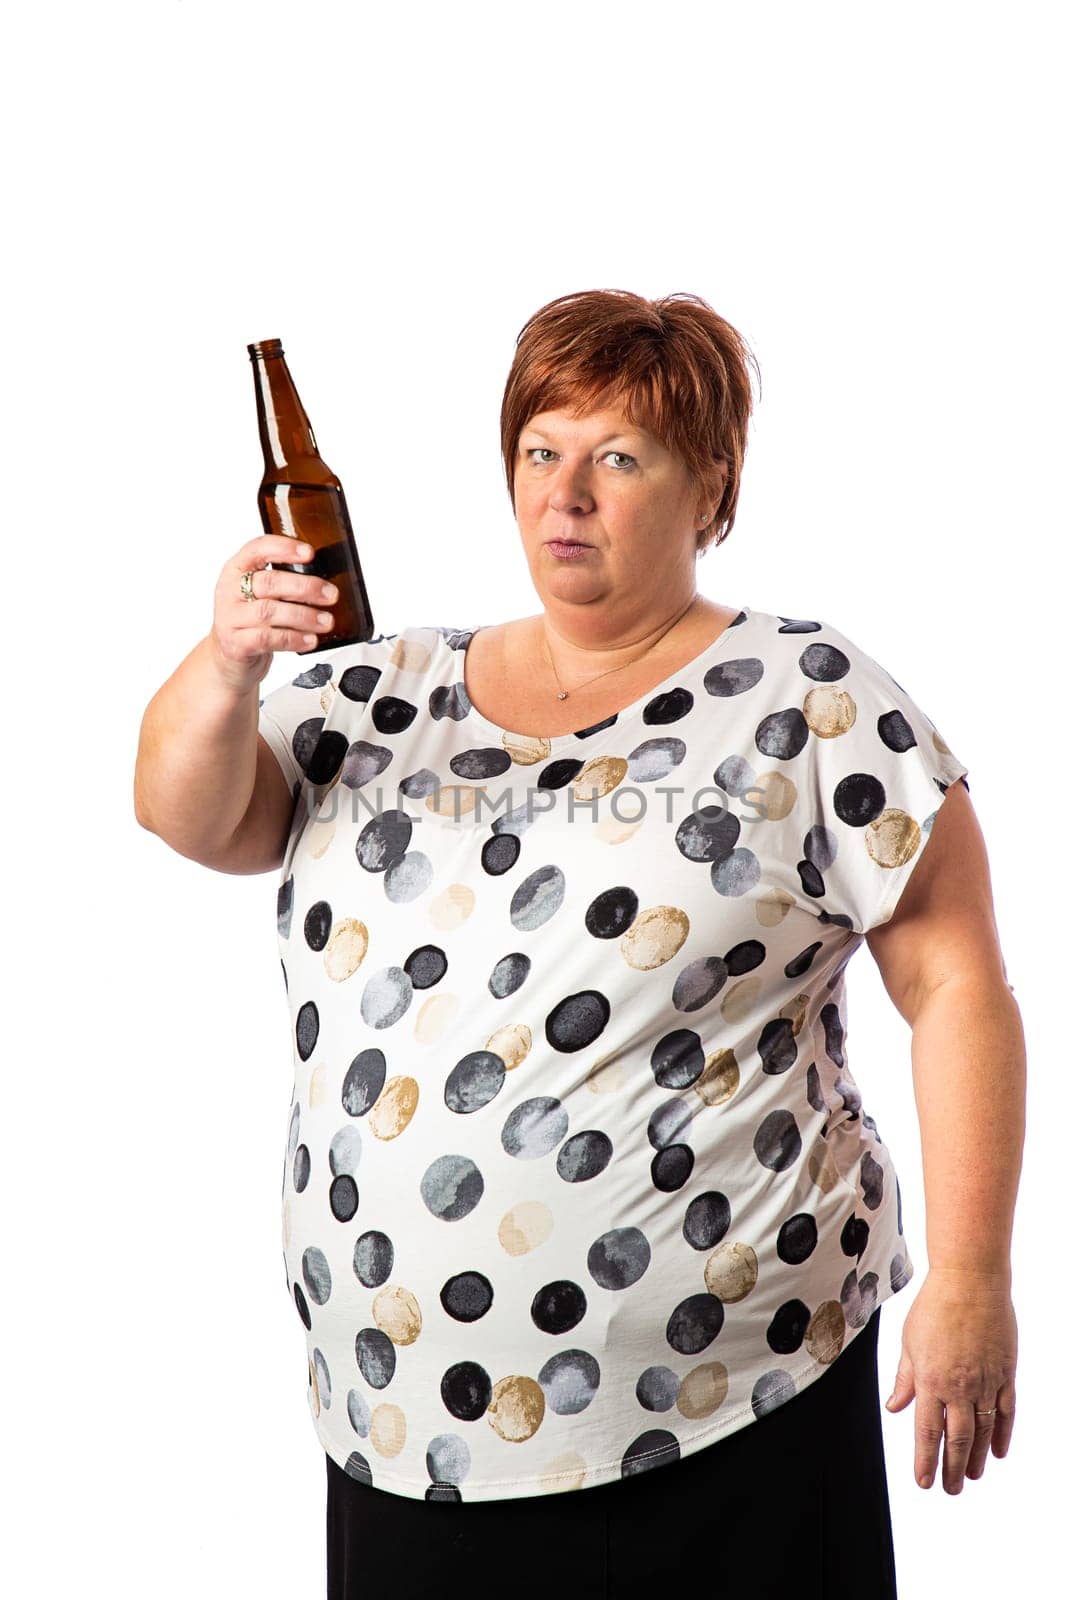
1004,1420
270,547
964,1432
283,599
267,612
983,1436
929,1426
288,610
959,1441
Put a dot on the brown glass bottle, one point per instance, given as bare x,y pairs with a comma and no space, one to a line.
300,497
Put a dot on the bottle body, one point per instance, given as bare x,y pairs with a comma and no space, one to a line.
300,497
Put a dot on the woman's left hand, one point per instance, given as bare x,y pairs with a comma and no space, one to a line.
959,1349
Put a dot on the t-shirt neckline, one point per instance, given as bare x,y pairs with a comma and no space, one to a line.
681,675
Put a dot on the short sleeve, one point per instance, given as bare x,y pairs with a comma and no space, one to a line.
292,716
878,773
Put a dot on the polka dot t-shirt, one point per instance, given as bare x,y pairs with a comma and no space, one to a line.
578,1179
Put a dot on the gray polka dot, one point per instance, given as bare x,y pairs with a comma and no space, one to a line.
537,898
385,998
383,840
655,759
570,1380
619,1258
409,877
534,1128
322,1378
448,1458
451,1187
364,763
316,1273
345,1148
698,983
657,1388
358,1413
474,1081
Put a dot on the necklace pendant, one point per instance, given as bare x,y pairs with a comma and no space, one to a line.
562,695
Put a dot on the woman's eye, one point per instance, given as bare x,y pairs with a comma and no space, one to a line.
539,450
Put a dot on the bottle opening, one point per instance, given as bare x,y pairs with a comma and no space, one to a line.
265,347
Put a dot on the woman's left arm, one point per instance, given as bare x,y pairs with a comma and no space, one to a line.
940,959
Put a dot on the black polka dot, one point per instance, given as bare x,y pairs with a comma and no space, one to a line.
577,1020
317,924
611,913
558,1307
467,1296
426,966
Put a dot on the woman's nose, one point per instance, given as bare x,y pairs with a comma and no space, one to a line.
570,491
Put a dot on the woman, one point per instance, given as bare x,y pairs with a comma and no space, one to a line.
578,1181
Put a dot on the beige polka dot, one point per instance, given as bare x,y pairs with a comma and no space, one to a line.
511,1043
720,1078
452,907
524,1227
772,796
345,949
731,1271
452,801
607,1075
822,1167
287,1222
654,937
825,1337
320,837
773,907
326,696
795,1011
616,830
892,838
829,711
410,655
703,1390
563,1472
598,777
394,1108
741,1000
319,1085
396,1312
316,1400
388,1430
525,749
436,1016
517,1408
629,810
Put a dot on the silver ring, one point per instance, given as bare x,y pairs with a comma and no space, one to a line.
986,1413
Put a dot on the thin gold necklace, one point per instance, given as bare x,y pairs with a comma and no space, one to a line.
564,694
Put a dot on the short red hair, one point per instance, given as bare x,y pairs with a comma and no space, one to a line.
677,368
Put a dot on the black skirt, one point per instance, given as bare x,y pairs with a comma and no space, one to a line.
793,1504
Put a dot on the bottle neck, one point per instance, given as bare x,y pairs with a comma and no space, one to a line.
284,430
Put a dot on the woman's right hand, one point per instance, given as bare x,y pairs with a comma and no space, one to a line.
287,606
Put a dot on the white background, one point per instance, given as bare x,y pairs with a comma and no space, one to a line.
872,196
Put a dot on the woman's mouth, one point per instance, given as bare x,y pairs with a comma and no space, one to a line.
566,549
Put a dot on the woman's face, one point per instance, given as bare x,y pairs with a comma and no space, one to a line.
618,492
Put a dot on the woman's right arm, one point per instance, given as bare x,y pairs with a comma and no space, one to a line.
205,780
